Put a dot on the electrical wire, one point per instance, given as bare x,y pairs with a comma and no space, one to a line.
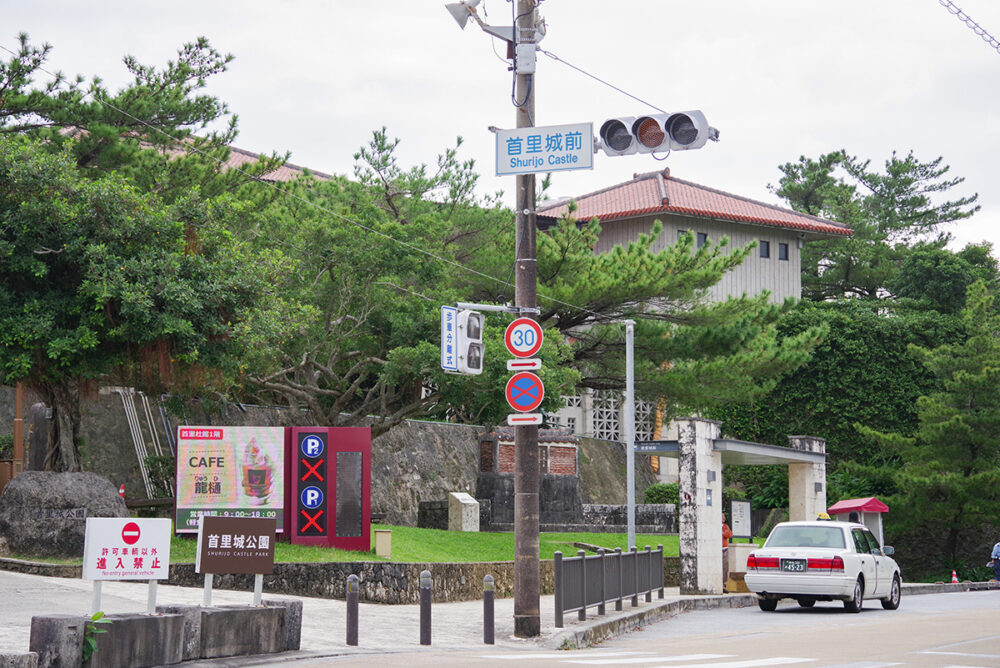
975,27
188,149
600,80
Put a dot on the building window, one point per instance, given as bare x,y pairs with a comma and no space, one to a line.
765,248
702,239
571,424
606,407
782,251
680,234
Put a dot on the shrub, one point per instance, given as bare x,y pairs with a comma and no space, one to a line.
7,446
662,492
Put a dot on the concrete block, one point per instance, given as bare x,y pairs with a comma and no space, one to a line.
139,641
18,660
241,630
383,543
293,621
463,512
57,640
192,627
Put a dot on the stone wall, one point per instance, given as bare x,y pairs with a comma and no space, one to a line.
662,516
416,461
558,498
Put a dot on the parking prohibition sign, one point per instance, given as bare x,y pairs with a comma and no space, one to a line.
523,337
524,392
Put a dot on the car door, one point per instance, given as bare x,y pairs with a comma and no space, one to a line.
883,565
868,567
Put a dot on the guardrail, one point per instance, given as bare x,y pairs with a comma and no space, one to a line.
585,581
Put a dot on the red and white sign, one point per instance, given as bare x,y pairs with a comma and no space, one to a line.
131,533
121,548
522,419
523,337
524,392
524,365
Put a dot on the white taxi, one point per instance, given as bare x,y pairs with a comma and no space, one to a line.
823,561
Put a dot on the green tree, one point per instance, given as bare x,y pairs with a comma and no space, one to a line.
95,272
889,212
938,279
156,130
950,476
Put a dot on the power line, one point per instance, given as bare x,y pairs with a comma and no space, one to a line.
600,80
967,20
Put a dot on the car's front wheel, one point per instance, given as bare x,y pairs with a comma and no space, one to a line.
858,599
892,602
768,604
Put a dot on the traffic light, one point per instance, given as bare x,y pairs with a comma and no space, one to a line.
656,133
470,342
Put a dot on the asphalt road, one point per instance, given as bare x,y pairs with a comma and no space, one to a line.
940,630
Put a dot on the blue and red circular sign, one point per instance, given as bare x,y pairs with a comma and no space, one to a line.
524,391
523,337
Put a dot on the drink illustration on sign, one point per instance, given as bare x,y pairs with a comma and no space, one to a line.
257,474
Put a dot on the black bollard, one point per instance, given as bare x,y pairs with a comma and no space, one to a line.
352,610
489,589
425,607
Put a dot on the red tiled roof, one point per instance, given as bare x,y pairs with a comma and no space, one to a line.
656,192
287,172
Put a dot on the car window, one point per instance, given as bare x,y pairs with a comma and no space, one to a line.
873,545
860,542
805,536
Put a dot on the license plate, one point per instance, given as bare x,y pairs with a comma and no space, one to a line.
796,565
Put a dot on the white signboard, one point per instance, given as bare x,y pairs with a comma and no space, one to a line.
553,148
125,548
740,520
449,338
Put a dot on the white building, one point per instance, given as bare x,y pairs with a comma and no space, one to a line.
628,209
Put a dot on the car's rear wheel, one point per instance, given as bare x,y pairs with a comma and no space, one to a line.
807,602
768,604
895,593
858,599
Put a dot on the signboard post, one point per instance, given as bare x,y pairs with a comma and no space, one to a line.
229,472
122,548
553,148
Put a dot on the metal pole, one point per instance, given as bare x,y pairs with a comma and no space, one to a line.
151,598
19,465
630,427
352,610
206,599
95,603
425,607
258,588
489,588
557,570
527,579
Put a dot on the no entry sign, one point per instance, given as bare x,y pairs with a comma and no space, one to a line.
524,392
523,337
131,533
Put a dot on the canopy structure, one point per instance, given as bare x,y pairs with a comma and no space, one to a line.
868,505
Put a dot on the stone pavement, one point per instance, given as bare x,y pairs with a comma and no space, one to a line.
382,628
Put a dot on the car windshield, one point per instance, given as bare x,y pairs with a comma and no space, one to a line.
802,536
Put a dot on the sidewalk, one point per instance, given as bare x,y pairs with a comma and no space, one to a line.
382,628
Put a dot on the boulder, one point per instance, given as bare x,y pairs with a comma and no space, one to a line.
44,513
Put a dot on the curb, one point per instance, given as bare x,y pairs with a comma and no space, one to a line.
588,634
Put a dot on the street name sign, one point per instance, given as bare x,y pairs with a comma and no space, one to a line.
552,148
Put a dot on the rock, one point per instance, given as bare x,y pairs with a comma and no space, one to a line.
44,513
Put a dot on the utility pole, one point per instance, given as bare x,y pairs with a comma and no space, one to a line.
630,429
527,579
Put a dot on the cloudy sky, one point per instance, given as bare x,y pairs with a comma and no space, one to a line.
779,79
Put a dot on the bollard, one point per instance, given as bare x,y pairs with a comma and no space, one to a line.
603,588
621,578
634,551
425,607
582,612
659,548
489,590
352,610
557,570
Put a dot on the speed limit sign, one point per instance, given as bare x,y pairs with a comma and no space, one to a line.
523,337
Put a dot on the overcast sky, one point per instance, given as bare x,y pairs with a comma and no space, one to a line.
779,79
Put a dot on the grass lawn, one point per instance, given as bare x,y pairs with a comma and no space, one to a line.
428,545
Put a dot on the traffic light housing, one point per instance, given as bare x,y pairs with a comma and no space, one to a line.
656,133
470,342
